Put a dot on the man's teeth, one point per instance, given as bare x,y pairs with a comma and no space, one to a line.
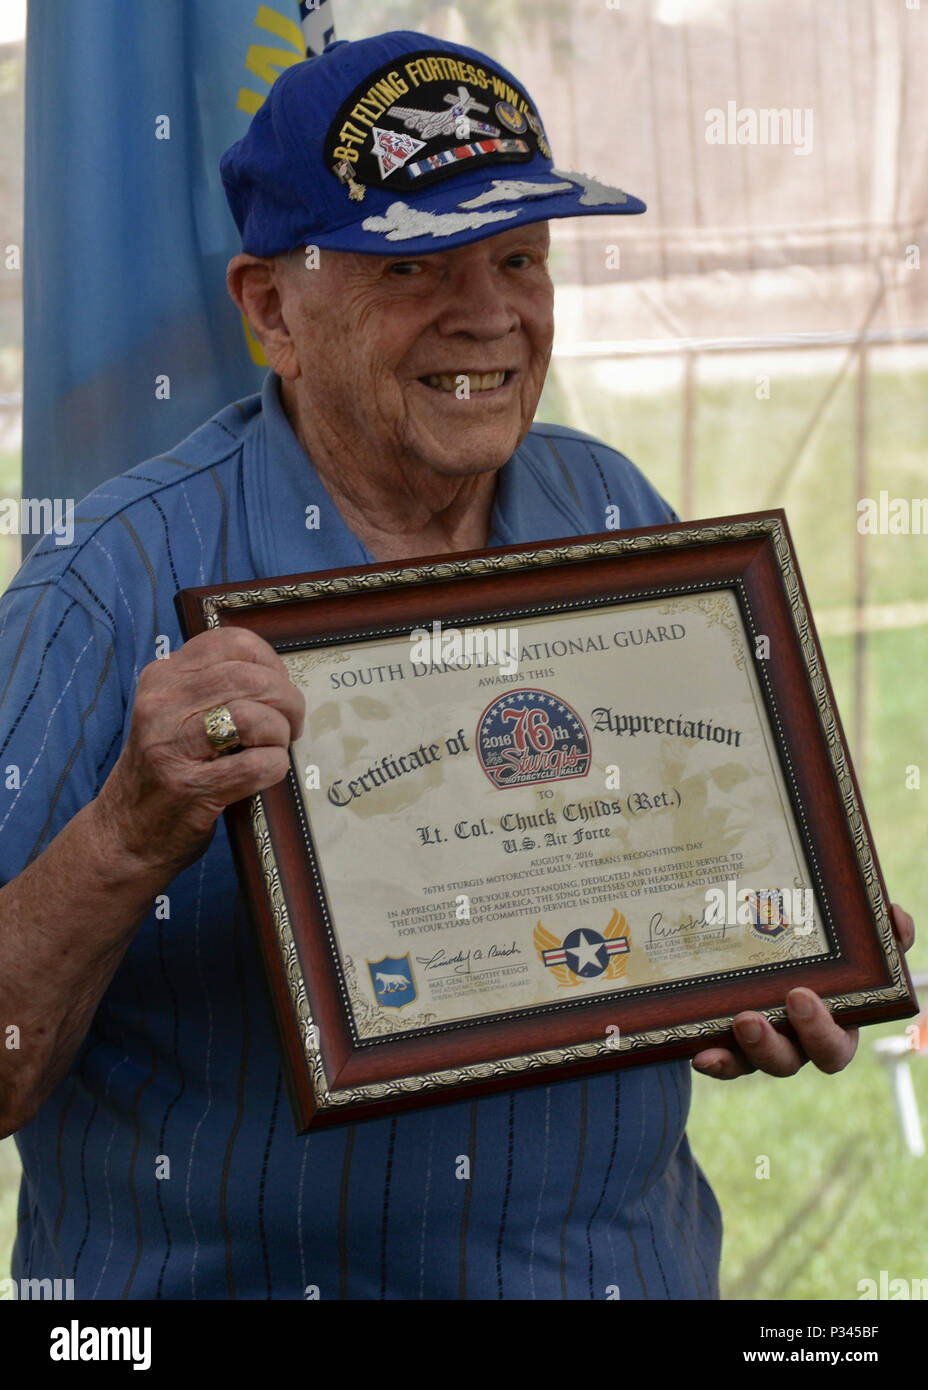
488,381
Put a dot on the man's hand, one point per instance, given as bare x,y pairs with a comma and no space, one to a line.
159,806
820,1039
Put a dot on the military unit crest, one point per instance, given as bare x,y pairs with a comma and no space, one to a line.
392,981
511,117
768,917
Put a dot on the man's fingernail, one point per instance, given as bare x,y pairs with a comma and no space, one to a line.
802,1005
713,1067
749,1031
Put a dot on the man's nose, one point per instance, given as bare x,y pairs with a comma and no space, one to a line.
480,304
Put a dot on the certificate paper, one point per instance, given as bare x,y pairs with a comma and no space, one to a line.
492,841
555,808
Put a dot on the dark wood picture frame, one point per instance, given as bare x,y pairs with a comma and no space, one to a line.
331,1078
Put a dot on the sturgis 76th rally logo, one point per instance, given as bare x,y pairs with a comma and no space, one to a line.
531,736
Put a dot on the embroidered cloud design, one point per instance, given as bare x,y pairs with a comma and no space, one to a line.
507,190
402,223
594,192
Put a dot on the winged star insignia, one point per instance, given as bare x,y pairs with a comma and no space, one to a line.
586,954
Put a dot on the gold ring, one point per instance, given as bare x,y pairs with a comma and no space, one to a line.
221,730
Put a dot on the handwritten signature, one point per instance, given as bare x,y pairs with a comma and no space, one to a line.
460,962
658,930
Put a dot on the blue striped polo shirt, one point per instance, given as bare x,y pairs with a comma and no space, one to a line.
165,1164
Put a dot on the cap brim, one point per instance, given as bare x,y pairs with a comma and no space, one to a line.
464,210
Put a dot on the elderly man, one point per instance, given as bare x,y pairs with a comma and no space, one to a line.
407,357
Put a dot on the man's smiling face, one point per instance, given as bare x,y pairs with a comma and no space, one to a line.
437,359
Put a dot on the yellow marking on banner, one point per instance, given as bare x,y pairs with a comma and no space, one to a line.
276,23
248,101
263,61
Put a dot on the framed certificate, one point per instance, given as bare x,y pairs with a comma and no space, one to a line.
555,808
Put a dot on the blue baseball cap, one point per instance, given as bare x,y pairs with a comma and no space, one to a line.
399,142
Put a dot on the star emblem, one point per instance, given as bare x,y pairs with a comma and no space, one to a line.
586,952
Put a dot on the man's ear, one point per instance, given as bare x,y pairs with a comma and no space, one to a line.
255,285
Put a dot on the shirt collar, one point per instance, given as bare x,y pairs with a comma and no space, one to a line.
294,526
282,488
533,503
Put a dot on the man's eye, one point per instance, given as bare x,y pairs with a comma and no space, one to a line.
405,268
522,257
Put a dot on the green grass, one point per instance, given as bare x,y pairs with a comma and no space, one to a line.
9,1194
844,1199
10,486
741,446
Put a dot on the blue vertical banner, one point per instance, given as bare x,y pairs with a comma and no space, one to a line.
130,338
